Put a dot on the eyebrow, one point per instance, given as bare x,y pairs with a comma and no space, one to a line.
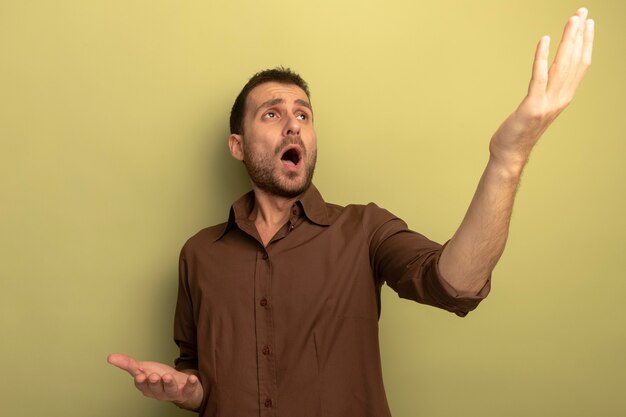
275,101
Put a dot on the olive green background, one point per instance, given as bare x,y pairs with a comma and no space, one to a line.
113,127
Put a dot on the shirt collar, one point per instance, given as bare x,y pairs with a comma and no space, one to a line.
314,206
311,202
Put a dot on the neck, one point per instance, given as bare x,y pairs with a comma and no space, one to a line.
272,212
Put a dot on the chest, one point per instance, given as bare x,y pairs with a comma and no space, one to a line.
312,273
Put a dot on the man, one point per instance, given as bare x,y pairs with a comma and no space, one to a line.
277,308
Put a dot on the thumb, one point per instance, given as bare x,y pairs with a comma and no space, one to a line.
125,363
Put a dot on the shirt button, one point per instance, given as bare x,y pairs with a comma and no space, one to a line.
265,350
265,256
268,403
263,302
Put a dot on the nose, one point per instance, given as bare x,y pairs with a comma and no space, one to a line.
292,126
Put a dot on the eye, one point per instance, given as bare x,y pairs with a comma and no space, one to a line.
270,115
302,116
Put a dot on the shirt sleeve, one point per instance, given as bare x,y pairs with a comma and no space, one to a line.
408,262
184,321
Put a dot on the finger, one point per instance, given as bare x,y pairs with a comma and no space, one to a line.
578,41
190,386
141,383
170,386
558,72
588,41
124,362
586,52
539,79
564,52
155,385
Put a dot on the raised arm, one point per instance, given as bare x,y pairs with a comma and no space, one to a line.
474,250
162,382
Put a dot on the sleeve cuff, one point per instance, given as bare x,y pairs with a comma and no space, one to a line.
459,304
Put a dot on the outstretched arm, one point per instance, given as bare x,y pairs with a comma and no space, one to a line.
474,250
162,382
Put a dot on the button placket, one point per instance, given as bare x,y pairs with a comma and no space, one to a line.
294,218
264,324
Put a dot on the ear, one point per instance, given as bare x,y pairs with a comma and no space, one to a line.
235,144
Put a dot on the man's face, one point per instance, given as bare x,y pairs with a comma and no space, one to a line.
279,140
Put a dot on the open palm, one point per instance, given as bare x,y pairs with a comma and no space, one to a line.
160,381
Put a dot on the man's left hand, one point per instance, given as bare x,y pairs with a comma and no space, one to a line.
551,89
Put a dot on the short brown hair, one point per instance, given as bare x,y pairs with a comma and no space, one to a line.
279,74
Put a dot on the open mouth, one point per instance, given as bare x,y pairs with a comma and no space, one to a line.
292,156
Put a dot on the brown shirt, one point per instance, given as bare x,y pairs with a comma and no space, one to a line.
291,329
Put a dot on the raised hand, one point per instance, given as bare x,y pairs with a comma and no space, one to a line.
551,89
472,253
162,382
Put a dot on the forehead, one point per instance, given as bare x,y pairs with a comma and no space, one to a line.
274,90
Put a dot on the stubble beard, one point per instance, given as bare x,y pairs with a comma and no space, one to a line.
264,175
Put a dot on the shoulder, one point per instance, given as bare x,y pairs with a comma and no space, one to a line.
369,212
204,238
367,218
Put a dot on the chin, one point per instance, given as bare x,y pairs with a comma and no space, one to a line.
289,188
293,192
